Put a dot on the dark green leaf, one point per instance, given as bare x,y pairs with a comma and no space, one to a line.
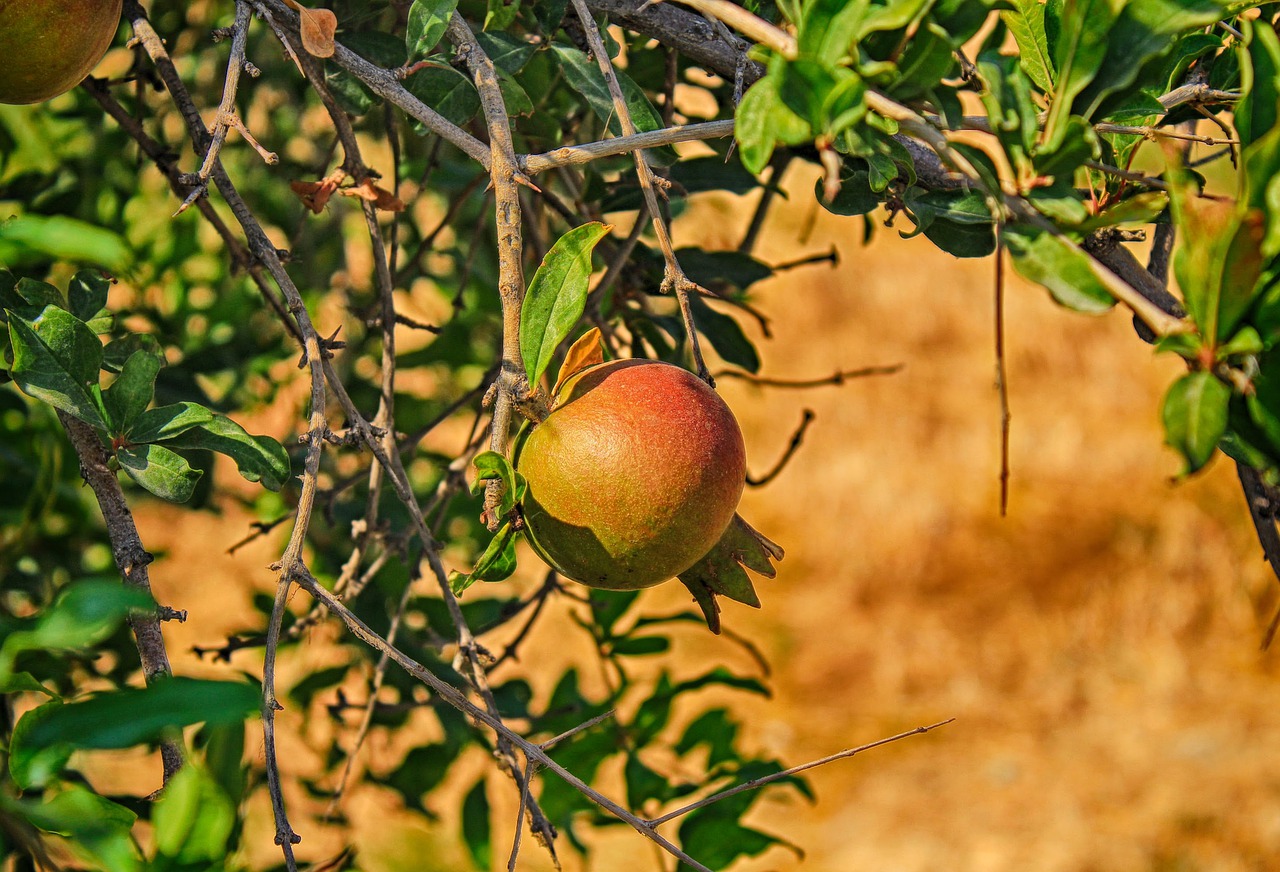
166,422
259,458
508,53
643,784
496,563
39,294
428,20
117,351
1058,265
1195,417
133,716
557,296
445,90
716,730
379,48
159,470
56,359
131,392
855,196
725,336
584,76
475,826
641,646
87,293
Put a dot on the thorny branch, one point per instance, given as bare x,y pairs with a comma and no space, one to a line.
131,559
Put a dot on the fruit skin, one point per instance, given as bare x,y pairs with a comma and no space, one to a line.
634,476
48,46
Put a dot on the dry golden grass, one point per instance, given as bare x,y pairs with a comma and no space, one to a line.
1098,647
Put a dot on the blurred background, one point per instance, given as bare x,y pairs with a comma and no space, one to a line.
1098,648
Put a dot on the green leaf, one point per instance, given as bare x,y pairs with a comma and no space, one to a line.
87,293
1259,106
379,48
557,296
32,766
133,716
38,294
428,20
583,75
1055,263
193,819
725,335
56,359
496,563
1195,417
720,571
166,422
258,458
118,351
491,466
643,784
84,614
23,682
1081,46
131,392
65,238
475,826
1026,22
763,121
508,53
445,90
159,470
827,28
94,826
855,196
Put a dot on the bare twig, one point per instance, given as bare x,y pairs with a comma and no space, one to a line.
1002,382
757,783
574,155
806,419
227,117
837,378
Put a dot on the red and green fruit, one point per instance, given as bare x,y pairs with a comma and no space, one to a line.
48,46
634,476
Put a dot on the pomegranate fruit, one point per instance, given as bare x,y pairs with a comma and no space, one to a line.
633,477
49,46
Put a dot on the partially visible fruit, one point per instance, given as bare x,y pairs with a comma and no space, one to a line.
48,46
634,476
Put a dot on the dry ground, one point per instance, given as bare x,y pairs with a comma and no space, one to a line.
1098,647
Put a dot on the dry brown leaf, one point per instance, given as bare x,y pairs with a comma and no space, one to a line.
587,351
317,27
379,197
314,195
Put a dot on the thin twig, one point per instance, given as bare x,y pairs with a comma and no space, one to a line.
756,783
806,419
837,378
227,117
575,155
1002,382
